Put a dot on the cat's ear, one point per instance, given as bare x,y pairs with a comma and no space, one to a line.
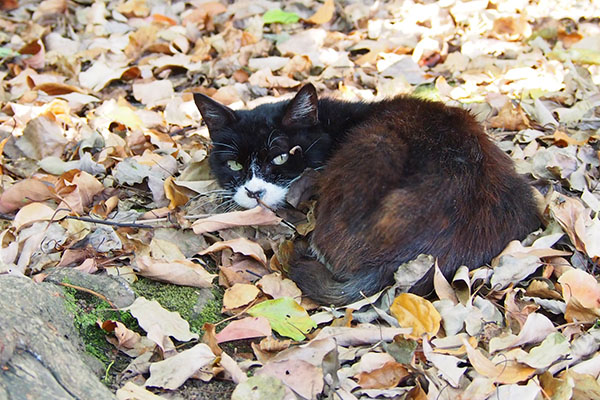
215,114
302,110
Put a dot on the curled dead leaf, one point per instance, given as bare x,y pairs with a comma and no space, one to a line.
385,377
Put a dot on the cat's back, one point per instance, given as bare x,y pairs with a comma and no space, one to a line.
416,177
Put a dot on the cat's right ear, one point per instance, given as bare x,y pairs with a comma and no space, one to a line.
215,114
302,110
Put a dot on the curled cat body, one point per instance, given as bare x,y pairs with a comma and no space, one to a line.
399,178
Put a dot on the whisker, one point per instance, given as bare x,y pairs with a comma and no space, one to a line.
312,144
232,146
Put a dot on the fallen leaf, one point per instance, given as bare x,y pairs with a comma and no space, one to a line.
582,286
256,216
446,365
259,387
239,295
387,376
285,316
179,272
131,391
24,192
300,376
507,372
42,137
244,328
279,16
158,322
360,335
276,286
33,212
323,14
417,313
241,245
551,349
174,371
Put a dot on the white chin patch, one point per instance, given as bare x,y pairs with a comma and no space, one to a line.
273,196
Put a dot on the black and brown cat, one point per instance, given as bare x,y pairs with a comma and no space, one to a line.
400,177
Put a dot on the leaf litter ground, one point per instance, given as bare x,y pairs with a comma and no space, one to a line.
97,124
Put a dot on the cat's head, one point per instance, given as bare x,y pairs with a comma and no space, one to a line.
257,153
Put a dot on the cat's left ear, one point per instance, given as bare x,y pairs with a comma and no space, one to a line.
302,110
215,114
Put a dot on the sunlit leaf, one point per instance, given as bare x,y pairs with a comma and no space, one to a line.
285,316
415,312
280,16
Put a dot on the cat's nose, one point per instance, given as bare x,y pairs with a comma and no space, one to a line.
256,194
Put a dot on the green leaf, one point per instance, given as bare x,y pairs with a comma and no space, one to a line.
6,52
285,316
280,16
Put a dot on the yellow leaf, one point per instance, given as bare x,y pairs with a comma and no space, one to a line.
239,295
417,313
323,14
174,194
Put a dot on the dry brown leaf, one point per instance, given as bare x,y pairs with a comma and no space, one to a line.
417,313
77,189
32,213
276,286
265,78
179,272
507,372
239,295
256,216
174,193
241,245
174,371
582,286
575,312
24,192
245,328
300,376
323,14
272,344
360,335
154,319
242,270
510,117
385,377
134,8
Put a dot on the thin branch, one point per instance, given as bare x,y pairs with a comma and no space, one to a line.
90,291
112,223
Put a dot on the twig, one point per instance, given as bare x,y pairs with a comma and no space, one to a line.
237,315
90,291
283,221
7,217
112,223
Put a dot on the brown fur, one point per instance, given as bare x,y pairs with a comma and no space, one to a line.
415,177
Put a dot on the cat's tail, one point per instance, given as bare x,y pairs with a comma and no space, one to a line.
318,283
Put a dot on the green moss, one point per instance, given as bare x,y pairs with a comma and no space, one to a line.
184,300
87,310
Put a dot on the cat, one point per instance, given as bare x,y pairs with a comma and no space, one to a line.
399,178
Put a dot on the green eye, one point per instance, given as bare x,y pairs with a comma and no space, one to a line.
234,165
280,159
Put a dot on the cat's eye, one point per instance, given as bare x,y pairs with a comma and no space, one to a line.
280,159
234,165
